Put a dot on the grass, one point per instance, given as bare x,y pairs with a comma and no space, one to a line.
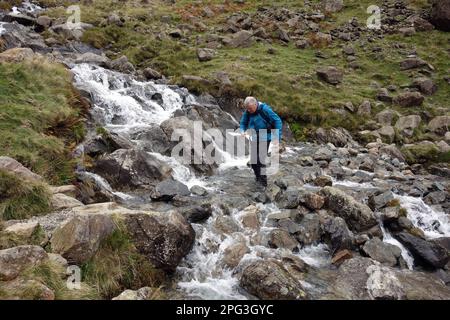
118,266
9,240
40,118
21,199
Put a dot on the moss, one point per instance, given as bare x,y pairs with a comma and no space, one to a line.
118,266
403,212
9,240
393,203
21,199
420,153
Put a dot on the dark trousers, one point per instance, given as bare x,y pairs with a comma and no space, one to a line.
258,158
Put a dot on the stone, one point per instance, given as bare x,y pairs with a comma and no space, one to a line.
425,85
313,201
233,254
266,279
385,253
323,154
197,213
145,293
440,15
357,215
167,189
164,238
365,108
16,55
380,200
241,39
122,64
199,191
387,134
323,181
205,54
409,99
15,260
79,237
151,74
330,75
90,57
14,167
406,125
61,201
383,95
337,234
341,256
279,238
333,5
309,229
439,125
412,63
249,217
426,253
26,289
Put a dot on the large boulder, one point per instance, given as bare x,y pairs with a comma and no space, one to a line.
409,99
330,74
14,260
61,201
406,125
425,85
80,236
16,55
268,280
339,137
358,216
337,234
14,167
17,35
164,238
131,168
426,253
440,15
279,238
241,39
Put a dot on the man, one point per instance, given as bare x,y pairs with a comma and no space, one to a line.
261,119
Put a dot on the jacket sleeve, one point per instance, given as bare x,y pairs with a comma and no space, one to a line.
276,120
244,122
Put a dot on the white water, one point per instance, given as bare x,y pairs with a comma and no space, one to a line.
26,7
103,184
2,28
405,253
433,223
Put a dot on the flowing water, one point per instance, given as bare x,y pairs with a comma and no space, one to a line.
123,105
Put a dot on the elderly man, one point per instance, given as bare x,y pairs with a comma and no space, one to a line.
261,120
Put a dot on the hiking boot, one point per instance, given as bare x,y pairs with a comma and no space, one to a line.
263,181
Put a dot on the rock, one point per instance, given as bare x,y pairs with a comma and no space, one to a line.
440,15
301,44
249,217
167,189
197,213
289,199
409,99
421,24
154,139
425,85
106,142
387,134
282,34
383,95
443,146
385,117
425,253
341,256
382,284
309,229
151,74
14,167
350,281
406,125
233,254
380,200
205,54
131,168
26,289
61,201
339,137
20,18
79,237
323,154
407,31
385,253
176,33
420,152
357,215
122,65
16,55
313,201
199,191
323,181
331,75
279,238
412,63
333,5
14,260
337,234
266,279
393,152
164,238
439,125
17,35
241,39
69,190
90,57
145,293
115,19
226,225
66,31
364,109
23,230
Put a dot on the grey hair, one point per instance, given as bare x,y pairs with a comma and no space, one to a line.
250,101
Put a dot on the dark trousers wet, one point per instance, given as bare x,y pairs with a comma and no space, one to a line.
258,158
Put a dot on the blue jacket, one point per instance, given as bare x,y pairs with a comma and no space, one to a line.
256,121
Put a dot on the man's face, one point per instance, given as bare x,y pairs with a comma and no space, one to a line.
251,108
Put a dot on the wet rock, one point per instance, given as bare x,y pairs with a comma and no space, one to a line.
406,125
331,75
167,189
425,253
341,256
351,279
323,154
337,234
382,284
233,254
14,260
380,200
409,99
312,200
309,229
106,143
164,238
79,237
267,279
130,168
197,213
199,191
249,217
289,199
323,181
226,225
380,251
279,238
357,215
